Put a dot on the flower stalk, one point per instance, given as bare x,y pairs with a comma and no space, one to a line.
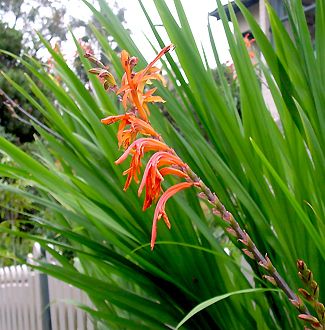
233,228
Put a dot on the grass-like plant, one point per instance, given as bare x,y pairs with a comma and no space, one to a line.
268,178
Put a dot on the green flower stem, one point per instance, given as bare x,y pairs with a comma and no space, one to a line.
251,248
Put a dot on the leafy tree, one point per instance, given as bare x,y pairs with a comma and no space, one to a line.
10,116
45,16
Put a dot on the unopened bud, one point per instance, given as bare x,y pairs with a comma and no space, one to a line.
216,212
246,240
95,70
269,265
202,195
270,279
227,216
249,253
301,265
133,61
93,59
306,295
298,303
104,74
232,232
243,241
266,264
308,318
309,275
320,310
314,289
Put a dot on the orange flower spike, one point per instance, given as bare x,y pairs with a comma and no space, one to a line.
153,184
137,125
133,83
149,98
153,190
160,208
121,133
125,61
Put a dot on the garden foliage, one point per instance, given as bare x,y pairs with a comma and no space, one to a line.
269,175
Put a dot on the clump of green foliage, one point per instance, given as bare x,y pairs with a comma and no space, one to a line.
267,177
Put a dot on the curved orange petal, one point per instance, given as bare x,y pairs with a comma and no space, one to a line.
142,126
173,171
155,99
160,208
143,144
113,119
150,92
160,158
137,149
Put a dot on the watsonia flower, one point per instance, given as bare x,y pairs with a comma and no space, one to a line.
133,83
160,208
153,176
135,121
135,125
137,149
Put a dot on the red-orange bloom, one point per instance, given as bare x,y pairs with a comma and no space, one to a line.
152,176
138,148
133,83
164,161
160,208
249,45
126,136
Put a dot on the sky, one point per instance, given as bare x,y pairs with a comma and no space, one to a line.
197,14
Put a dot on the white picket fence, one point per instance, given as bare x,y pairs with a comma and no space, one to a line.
29,300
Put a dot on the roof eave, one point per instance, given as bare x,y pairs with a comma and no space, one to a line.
246,3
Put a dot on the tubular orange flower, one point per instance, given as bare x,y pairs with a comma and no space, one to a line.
138,148
249,45
160,208
126,136
128,85
133,83
153,184
152,176
113,119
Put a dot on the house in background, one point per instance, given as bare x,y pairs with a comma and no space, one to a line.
258,9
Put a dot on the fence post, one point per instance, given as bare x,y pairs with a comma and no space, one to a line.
45,302
46,324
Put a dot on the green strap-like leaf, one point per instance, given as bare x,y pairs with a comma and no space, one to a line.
209,302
